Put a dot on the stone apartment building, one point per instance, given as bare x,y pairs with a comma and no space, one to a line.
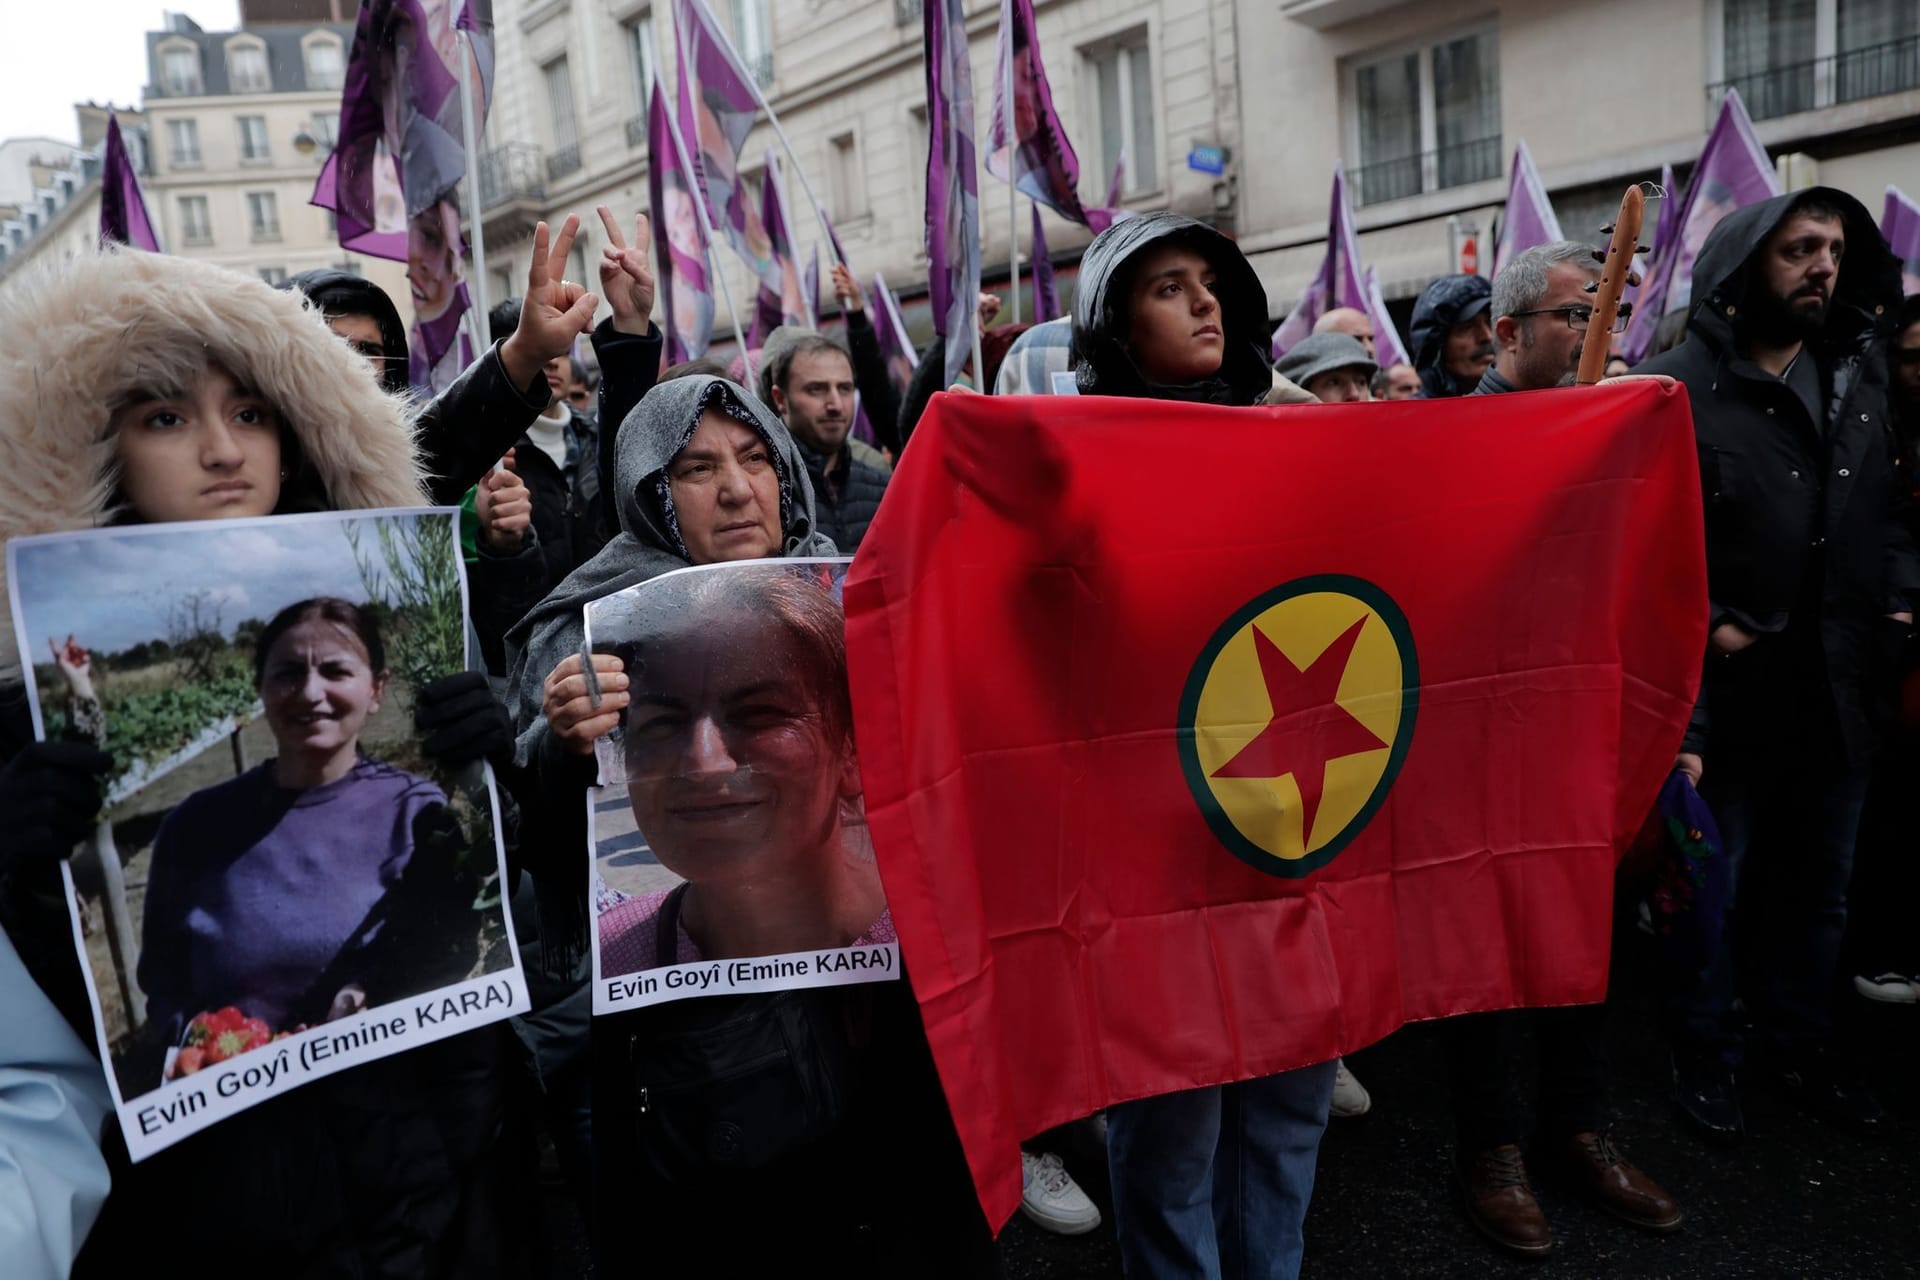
50,190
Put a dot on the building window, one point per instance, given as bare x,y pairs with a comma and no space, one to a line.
565,158
247,68
1123,85
1428,118
263,215
753,38
180,70
847,185
1799,55
640,59
183,142
326,128
275,276
253,140
326,69
195,226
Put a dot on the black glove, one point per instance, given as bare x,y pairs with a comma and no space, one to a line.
463,721
49,799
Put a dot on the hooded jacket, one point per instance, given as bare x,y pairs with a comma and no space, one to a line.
1448,302
1102,366
1806,545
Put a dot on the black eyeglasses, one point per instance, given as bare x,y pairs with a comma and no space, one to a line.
1579,316
579,397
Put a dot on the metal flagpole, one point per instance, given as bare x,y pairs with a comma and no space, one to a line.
1013,142
477,317
706,221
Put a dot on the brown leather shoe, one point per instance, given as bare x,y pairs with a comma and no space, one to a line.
1500,1201
1599,1169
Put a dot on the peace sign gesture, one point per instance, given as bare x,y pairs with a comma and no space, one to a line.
553,312
625,274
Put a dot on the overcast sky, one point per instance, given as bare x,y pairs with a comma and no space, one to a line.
54,53
114,589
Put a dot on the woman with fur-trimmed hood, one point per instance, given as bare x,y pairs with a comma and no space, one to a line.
150,388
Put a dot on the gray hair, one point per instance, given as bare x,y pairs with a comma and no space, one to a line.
1522,283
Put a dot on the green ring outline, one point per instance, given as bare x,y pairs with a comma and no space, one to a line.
1186,735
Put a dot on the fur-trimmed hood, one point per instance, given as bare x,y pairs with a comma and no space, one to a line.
85,335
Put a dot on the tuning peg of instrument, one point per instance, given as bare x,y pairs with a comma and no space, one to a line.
1643,248
1633,279
1599,255
1592,286
1607,230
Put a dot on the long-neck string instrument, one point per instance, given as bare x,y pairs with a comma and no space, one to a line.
1616,272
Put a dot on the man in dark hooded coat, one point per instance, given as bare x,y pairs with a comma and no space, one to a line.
1812,575
1452,336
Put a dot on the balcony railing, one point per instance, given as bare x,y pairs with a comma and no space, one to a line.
1872,72
512,172
637,131
1454,166
563,162
905,12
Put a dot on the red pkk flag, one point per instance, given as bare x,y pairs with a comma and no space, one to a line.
1529,218
1046,298
123,210
1162,812
953,184
717,102
686,293
1901,227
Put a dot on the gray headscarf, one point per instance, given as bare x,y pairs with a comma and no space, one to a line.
649,542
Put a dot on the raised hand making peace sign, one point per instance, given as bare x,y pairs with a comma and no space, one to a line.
553,312
626,276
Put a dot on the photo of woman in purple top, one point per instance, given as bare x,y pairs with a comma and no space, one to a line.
321,882
741,771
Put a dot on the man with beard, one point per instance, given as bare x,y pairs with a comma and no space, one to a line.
1452,336
1811,572
1541,308
810,383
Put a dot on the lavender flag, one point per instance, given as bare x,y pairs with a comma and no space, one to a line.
811,288
1529,219
786,304
953,192
1034,154
1387,347
1119,180
895,347
1046,298
717,102
686,294
1733,172
1339,282
1901,227
438,345
123,210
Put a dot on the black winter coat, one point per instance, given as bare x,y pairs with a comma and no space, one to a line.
846,500
1807,546
569,518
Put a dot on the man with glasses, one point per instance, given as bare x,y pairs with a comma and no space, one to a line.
1541,310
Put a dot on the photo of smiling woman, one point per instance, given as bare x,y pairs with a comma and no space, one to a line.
740,772
319,882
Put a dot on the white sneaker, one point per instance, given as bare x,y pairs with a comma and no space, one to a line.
1350,1097
1888,988
1052,1199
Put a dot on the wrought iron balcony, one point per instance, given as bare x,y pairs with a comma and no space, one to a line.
513,172
1454,166
563,162
637,131
906,12
1872,72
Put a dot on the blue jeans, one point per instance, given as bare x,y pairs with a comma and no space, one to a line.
1789,909
1213,1184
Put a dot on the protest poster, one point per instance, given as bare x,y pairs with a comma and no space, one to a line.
283,883
729,844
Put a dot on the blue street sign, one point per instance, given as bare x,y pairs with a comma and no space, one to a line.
1207,160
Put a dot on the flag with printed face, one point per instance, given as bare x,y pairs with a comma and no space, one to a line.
953,190
785,304
890,327
1028,145
1156,813
1665,225
400,147
1733,172
1901,227
717,102
1340,282
1046,298
686,295
1529,218
123,210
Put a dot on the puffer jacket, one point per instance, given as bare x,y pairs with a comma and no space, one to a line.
1807,545
395,1168
846,494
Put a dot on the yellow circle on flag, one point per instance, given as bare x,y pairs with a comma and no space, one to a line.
1296,719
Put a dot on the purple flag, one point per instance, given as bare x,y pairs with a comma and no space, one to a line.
1733,172
716,105
1665,224
1036,158
786,304
953,191
1046,299
123,210
811,288
1340,281
438,345
686,294
1529,219
1119,182
1387,347
399,150
895,347
1901,227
